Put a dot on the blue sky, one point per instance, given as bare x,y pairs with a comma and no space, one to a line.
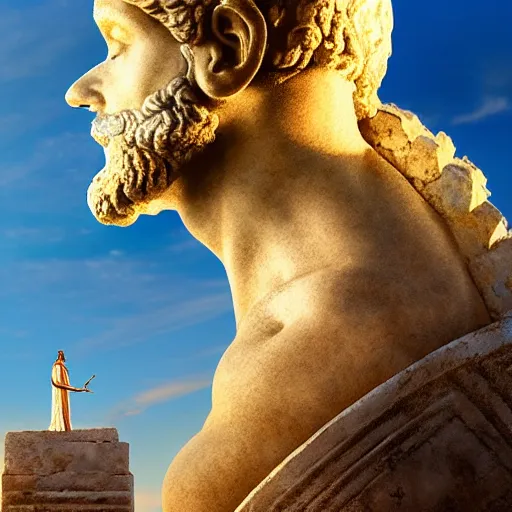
148,309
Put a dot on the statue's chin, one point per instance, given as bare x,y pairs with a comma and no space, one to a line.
111,206
120,221
107,212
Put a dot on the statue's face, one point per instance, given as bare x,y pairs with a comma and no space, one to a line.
149,120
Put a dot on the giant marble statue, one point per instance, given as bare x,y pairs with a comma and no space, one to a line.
355,244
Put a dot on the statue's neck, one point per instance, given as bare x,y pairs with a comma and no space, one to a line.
278,218
258,196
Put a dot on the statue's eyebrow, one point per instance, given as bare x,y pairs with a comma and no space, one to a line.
106,18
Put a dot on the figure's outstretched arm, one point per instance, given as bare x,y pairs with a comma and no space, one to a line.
69,388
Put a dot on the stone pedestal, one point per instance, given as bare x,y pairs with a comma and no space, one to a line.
437,437
78,471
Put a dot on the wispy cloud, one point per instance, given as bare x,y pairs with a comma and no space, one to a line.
29,115
133,329
213,351
490,107
32,56
107,279
112,301
184,246
14,333
169,391
61,151
30,46
163,393
33,234
50,175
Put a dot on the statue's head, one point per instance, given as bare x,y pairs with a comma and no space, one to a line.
60,356
173,63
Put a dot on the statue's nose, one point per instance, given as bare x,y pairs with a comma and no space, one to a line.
84,93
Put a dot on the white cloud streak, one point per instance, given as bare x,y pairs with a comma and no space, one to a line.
159,394
113,301
33,235
134,329
490,107
169,391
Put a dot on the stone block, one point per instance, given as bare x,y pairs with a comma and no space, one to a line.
458,191
67,508
81,470
479,230
400,138
454,187
68,481
59,456
90,435
492,273
426,159
56,498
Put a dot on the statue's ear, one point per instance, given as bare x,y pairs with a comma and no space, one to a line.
232,54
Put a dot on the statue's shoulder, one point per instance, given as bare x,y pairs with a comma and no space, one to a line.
447,414
456,189
319,298
59,364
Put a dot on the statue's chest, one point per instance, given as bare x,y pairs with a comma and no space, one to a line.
295,301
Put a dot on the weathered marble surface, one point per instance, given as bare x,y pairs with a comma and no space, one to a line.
456,189
436,437
77,471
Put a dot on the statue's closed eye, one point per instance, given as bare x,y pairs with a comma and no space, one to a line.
118,34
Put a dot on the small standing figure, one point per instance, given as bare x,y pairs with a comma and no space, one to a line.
61,413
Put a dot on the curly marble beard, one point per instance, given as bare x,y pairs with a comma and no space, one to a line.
146,148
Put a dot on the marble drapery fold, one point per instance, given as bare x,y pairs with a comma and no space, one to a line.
61,412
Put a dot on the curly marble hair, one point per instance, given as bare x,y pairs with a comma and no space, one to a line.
352,36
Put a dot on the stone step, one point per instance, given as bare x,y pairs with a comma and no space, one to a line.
68,508
24,457
77,471
67,498
90,435
68,481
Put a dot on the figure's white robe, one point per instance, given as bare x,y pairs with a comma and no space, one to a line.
61,413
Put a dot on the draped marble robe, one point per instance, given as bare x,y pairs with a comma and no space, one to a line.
61,412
